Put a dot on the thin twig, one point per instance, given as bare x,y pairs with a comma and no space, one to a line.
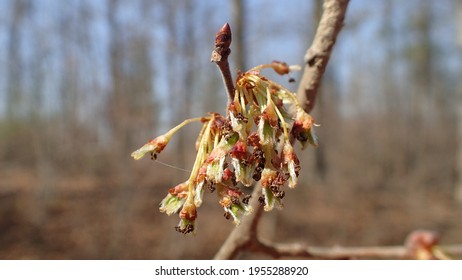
410,250
220,56
245,235
298,250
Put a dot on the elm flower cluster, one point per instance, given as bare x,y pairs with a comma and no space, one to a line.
252,143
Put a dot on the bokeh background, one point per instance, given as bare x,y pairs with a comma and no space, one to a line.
85,83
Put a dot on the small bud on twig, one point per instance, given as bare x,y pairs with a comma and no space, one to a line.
222,43
220,57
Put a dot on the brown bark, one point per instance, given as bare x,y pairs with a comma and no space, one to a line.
317,56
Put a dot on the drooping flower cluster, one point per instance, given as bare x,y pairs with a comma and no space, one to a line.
252,143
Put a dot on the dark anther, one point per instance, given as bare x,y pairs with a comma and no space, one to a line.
234,199
189,228
280,194
211,187
227,215
241,117
261,200
228,134
246,199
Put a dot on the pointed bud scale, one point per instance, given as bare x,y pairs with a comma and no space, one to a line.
223,37
222,43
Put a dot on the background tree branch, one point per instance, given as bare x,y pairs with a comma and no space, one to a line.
419,244
318,54
316,59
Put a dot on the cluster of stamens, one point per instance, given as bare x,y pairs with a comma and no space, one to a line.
252,143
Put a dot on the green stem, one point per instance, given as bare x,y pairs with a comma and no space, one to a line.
182,124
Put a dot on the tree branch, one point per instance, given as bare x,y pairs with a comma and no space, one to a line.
413,249
220,56
245,235
279,250
317,56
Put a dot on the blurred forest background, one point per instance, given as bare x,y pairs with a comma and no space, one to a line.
85,83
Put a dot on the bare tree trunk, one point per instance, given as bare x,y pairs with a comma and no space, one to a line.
14,89
458,187
238,16
117,118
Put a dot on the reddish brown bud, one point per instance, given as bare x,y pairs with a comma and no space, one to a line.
223,37
222,43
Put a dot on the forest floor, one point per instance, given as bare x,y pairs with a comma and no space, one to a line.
83,218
